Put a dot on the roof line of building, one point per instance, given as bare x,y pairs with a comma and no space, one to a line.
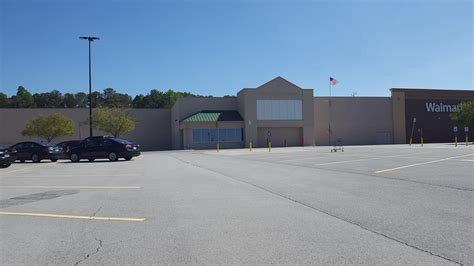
431,89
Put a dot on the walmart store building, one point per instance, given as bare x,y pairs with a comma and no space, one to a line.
277,111
287,115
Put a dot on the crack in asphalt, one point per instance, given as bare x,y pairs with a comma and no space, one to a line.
96,211
321,211
91,254
96,239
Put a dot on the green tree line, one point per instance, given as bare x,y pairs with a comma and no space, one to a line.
109,98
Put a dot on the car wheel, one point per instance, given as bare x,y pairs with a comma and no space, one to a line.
91,159
35,158
74,157
5,165
113,156
54,160
128,158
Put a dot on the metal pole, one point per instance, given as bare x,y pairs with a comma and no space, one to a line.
329,115
90,39
90,91
218,136
412,129
421,133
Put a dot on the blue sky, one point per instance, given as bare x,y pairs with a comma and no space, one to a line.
218,47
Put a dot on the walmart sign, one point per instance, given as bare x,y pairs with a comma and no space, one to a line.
432,107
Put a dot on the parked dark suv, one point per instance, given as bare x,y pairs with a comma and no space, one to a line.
7,157
36,151
102,147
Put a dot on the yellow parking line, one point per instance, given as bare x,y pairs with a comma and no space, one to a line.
23,169
417,164
56,175
74,216
107,169
76,187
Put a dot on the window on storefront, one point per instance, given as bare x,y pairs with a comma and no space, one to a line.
206,135
279,110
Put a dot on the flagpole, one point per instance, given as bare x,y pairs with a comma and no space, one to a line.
329,88
329,108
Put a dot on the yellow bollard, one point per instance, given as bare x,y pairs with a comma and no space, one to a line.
250,146
217,147
456,141
411,140
269,146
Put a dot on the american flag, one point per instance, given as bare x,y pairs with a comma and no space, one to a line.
333,81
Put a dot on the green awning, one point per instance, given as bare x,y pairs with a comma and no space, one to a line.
213,116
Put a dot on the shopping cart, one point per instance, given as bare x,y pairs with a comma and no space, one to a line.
338,146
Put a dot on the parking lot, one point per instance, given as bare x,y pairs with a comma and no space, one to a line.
390,204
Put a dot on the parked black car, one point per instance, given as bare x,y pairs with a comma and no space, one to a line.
7,157
37,151
103,147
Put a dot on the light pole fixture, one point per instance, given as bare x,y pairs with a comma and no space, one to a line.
90,39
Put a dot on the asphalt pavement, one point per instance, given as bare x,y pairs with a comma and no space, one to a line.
391,204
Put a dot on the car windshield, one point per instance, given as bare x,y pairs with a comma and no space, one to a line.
121,141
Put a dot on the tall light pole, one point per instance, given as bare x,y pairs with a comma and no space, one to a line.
90,39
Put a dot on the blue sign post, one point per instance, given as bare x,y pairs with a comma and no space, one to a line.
269,141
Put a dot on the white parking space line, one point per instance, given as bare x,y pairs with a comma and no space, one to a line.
418,164
346,154
71,187
370,158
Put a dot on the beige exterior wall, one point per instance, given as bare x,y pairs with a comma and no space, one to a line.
399,128
280,137
356,120
152,131
276,89
13,121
